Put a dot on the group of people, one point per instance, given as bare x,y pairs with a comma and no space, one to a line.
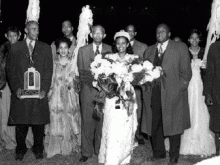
172,110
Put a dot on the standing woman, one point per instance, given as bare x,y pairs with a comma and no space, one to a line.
118,132
63,134
197,140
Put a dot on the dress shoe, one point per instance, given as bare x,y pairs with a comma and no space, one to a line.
19,157
173,161
83,159
154,158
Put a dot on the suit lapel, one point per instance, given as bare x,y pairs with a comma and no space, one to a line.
25,48
152,56
167,53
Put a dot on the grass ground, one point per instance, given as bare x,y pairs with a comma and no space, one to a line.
138,158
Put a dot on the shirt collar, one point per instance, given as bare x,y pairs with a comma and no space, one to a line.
164,45
28,41
132,42
94,47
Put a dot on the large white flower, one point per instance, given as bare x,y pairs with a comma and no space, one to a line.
147,65
156,72
136,68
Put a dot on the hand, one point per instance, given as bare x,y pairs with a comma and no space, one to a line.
18,93
208,100
42,94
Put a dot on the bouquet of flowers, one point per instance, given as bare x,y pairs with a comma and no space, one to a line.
113,77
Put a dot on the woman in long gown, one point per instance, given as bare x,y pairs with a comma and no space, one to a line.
63,134
197,140
119,128
8,132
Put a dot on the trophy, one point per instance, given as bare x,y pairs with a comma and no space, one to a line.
31,84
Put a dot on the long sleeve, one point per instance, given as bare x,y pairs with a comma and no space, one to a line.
210,69
185,67
11,71
46,76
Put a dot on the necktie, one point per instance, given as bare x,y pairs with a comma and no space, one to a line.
31,48
97,50
160,50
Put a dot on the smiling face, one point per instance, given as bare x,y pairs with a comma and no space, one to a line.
121,45
63,49
194,40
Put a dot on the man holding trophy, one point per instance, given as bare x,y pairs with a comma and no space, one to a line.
29,69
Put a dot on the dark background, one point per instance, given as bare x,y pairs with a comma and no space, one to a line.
181,16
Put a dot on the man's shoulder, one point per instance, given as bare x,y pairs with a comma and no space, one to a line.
106,46
140,44
43,44
85,47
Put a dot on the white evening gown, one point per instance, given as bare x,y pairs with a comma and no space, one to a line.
118,134
197,140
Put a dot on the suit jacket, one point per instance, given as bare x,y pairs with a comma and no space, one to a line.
139,48
29,111
212,85
174,94
87,94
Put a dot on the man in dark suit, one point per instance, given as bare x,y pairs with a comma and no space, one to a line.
27,112
166,110
212,90
91,128
138,49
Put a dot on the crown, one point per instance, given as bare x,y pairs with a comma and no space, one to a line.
122,33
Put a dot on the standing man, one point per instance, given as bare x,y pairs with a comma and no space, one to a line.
67,30
138,48
212,90
166,102
29,112
91,128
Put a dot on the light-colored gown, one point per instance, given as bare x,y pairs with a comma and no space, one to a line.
63,134
118,133
197,140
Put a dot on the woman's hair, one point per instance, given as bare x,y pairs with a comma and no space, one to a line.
13,29
62,39
128,49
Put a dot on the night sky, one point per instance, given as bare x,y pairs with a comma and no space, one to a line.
181,16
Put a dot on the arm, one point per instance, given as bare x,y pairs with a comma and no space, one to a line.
209,71
185,67
11,71
46,76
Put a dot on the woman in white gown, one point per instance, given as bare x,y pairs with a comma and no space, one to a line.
197,140
119,128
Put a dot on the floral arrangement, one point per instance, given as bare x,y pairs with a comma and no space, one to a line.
113,77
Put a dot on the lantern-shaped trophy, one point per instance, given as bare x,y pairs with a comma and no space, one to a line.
31,84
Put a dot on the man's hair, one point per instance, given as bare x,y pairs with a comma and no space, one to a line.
13,29
164,25
135,28
67,20
98,25
30,22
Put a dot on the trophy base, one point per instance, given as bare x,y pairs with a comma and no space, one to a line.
30,94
